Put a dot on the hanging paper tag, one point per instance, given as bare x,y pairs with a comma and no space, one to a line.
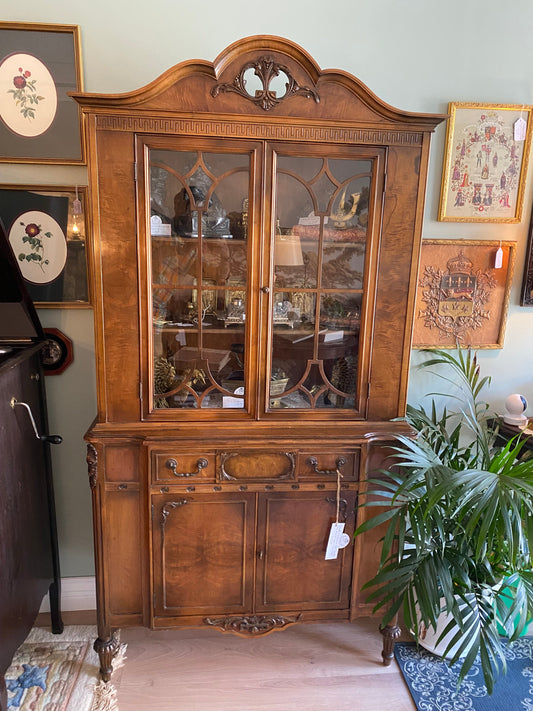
337,539
498,259
520,126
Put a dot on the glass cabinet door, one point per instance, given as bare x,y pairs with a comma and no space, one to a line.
321,219
199,254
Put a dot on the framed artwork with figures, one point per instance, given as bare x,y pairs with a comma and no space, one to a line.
485,163
39,122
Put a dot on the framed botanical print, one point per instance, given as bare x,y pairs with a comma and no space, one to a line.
463,293
485,163
39,122
50,237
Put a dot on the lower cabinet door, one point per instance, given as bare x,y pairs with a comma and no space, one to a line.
203,553
293,531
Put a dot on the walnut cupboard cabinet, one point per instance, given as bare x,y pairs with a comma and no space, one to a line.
257,234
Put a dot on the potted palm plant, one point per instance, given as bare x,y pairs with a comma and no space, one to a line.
457,512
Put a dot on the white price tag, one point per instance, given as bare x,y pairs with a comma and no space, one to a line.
498,259
520,126
158,228
337,539
234,401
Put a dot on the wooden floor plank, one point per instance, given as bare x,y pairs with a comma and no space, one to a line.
314,667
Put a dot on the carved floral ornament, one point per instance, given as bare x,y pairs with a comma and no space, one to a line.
252,625
271,76
92,464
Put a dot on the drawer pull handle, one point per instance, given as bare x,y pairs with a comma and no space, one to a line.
313,462
200,464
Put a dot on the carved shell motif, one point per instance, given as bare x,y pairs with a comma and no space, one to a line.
266,70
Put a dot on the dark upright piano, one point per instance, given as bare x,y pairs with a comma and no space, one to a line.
29,564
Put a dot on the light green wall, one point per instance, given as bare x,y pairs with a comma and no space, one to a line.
414,54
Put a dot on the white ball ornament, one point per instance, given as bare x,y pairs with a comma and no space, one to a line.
516,405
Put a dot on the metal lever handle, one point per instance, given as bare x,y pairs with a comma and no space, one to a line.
52,439
313,462
200,464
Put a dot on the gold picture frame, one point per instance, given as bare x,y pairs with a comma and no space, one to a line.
485,162
39,122
49,231
462,295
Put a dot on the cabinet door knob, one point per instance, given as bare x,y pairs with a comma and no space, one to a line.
260,555
265,289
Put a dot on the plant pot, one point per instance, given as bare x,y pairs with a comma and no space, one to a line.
428,637
507,598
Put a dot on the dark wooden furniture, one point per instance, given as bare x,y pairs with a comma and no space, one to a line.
507,432
257,234
29,562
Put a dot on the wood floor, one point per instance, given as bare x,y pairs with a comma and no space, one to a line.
314,667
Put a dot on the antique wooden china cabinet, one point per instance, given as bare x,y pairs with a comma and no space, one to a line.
257,234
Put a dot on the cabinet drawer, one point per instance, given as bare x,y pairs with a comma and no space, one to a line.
255,465
172,466
313,465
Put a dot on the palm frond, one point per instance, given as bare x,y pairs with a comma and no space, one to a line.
456,516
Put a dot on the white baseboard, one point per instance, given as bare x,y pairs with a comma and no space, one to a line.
76,594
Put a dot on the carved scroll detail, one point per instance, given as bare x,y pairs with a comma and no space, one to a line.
266,69
168,507
92,465
251,625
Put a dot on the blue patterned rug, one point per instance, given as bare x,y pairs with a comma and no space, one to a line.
433,684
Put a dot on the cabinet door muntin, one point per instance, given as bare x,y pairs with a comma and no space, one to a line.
199,205
323,217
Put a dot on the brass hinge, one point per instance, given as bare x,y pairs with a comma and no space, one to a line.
140,391
385,182
135,172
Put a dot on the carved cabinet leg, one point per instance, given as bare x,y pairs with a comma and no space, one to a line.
106,650
390,634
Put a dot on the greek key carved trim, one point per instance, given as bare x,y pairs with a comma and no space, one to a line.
243,129
92,465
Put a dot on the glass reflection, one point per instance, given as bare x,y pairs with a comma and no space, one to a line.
321,224
199,221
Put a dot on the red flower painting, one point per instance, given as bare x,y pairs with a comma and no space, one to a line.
25,93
